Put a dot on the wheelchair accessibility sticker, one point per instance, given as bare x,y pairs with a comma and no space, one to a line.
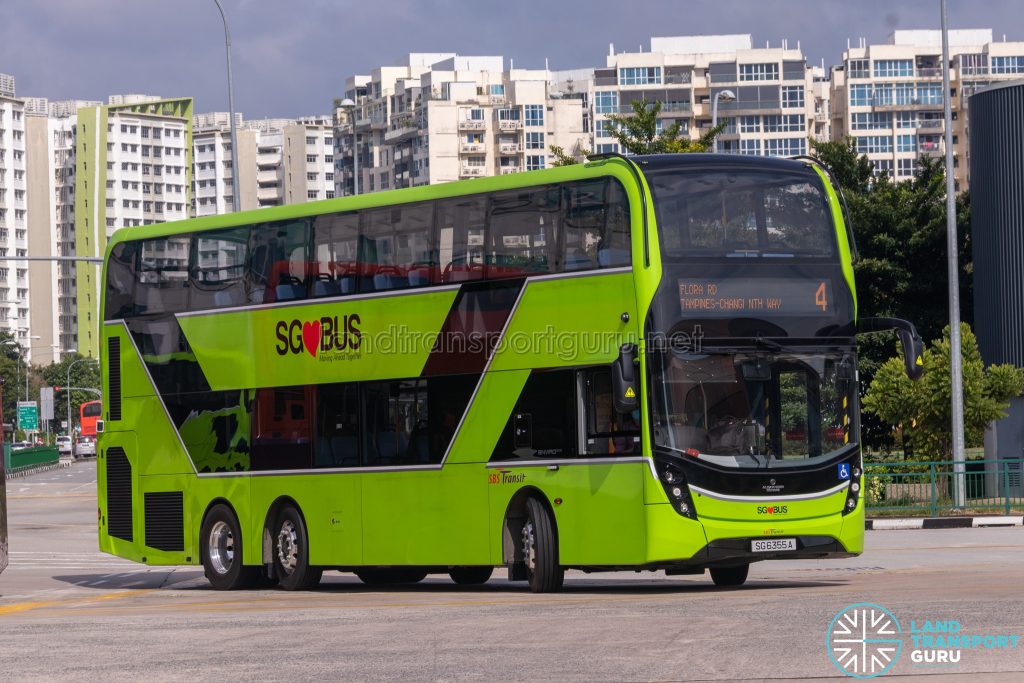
844,470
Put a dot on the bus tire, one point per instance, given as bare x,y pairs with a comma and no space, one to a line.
291,552
540,550
470,576
730,576
391,576
220,540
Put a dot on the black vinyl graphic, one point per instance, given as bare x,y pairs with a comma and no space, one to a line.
114,378
119,494
473,327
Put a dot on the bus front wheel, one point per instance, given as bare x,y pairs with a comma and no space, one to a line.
730,576
291,552
221,543
540,550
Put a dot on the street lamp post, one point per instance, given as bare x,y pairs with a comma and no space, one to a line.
350,107
236,199
725,96
67,387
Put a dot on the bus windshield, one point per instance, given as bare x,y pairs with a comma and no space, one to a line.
751,408
740,212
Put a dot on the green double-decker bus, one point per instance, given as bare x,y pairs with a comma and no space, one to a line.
635,363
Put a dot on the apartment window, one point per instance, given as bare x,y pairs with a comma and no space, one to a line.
883,94
906,143
1008,65
606,102
903,93
894,68
750,147
310,139
312,194
973,64
750,124
785,147
929,93
497,90
906,119
869,121
329,159
328,176
534,162
603,128
906,167
859,68
792,97
759,72
145,131
311,176
475,115
874,144
535,141
124,128
533,114
640,75
330,194
860,95
882,166
784,123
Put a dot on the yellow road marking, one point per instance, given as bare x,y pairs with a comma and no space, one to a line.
31,605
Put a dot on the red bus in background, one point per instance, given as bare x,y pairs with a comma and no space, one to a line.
89,412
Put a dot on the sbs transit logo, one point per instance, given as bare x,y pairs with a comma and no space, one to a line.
864,640
326,338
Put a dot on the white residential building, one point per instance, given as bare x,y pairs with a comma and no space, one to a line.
767,94
889,97
441,117
14,216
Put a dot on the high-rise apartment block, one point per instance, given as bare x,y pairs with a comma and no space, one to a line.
770,96
889,97
133,167
14,214
442,117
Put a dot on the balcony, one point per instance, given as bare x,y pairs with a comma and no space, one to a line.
913,104
468,124
510,125
510,148
506,170
930,126
471,171
402,133
471,148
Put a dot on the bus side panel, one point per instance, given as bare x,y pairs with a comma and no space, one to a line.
432,517
330,505
570,321
600,518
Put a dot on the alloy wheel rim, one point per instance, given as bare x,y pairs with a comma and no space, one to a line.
529,546
222,548
288,547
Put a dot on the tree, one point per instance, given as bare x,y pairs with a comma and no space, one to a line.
921,410
637,133
85,374
901,272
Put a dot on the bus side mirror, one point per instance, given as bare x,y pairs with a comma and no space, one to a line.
910,340
99,426
625,388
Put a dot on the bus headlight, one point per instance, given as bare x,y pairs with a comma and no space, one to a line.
853,491
674,483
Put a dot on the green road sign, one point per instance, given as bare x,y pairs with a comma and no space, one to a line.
28,416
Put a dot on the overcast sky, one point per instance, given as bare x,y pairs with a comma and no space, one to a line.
291,57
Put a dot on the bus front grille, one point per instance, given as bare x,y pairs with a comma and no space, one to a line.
165,526
119,494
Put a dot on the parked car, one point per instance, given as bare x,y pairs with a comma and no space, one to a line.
19,445
85,445
64,445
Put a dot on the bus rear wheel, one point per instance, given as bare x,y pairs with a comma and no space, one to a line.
540,550
291,552
221,547
470,576
730,576
390,576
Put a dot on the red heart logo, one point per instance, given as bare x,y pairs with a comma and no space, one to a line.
311,337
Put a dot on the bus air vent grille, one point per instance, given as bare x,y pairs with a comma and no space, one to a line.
165,526
119,494
114,378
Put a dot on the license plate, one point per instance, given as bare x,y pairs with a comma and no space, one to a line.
772,545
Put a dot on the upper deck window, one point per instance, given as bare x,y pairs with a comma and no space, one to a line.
742,213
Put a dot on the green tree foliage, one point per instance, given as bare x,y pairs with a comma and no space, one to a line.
901,272
84,374
921,410
637,133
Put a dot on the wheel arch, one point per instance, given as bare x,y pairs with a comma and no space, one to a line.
515,516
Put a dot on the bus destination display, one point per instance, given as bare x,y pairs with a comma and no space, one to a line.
721,297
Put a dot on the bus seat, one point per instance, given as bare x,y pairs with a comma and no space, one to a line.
419,276
345,449
257,295
223,298
389,280
326,288
612,257
577,259
347,284
387,447
290,291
